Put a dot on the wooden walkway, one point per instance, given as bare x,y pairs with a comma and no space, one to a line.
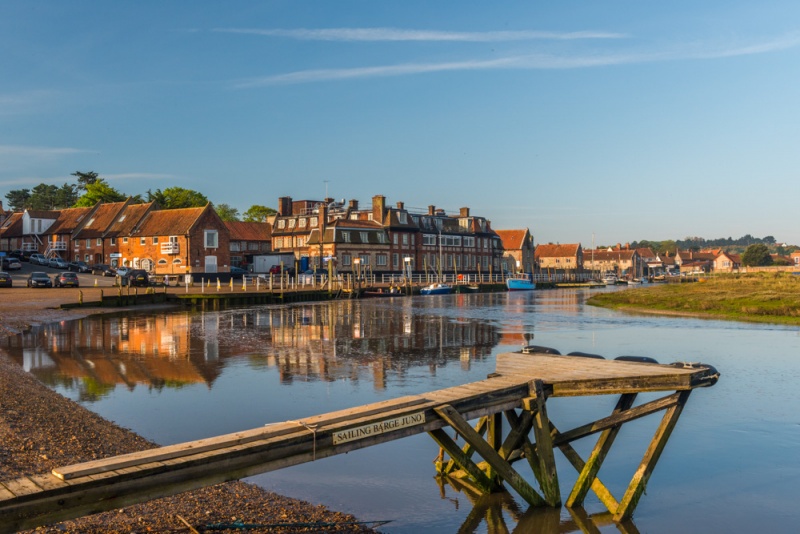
518,391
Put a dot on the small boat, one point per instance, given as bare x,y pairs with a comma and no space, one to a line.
392,292
634,282
610,279
436,289
520,282
472,288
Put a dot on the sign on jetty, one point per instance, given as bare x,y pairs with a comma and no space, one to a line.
518,391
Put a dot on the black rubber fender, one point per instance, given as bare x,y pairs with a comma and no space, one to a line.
580,354
530,349
638,359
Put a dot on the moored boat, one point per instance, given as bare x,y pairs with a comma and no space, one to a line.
436,289
610,279
520,282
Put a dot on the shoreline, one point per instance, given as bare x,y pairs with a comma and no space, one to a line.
41,430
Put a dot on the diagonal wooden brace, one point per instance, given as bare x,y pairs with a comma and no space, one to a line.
547,473
462,459
500,466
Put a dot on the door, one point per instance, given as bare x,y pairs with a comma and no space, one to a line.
211,264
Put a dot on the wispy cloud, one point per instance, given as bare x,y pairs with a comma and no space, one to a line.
38,151
17,103
528,61
396,34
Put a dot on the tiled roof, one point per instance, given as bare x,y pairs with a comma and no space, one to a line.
512,239
43,214
126,221
12,226
68,220
249,231
169,222
608,255
100,220
557,251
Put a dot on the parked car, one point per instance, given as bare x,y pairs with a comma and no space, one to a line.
39,279
21,255
276,269
38,259
103,269
238,271
135,278
11,263
122,271
57,263
5,279
67,279
79,267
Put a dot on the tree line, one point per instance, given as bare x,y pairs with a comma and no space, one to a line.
90,188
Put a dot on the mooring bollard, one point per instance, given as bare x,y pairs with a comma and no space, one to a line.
80,297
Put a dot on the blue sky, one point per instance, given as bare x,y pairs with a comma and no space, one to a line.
625,120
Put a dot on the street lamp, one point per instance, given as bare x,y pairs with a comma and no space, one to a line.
357,264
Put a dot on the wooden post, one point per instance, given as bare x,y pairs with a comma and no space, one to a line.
631,498
544,446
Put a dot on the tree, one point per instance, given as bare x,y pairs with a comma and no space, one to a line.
99,191
18,199
756,255
177,197
257,213
226,212
84,179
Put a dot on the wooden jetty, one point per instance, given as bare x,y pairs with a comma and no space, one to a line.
518,391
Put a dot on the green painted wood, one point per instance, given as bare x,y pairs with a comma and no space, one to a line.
544,447
463,461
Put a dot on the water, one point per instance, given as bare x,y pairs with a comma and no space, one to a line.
732,463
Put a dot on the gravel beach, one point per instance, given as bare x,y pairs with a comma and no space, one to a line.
40,430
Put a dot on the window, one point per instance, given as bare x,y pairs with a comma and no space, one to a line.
112,242
364,237
303,223
88,243
346,237
155,240
142,240
428,239
292,223
364,259
235,246
124,240
354,216
87,258
173,239
252,246
301,241
394,239
469,242
395,261
282,223
346,259
405,240
176,261
211,239
278,242
314,221
403,217
162,261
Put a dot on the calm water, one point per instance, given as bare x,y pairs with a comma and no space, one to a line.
732,464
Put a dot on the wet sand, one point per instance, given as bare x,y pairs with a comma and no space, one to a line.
40,430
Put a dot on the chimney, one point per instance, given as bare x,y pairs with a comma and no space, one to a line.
322,216
627,246
354,205
378,208
285,206
464,212
431,209
400,205
619,246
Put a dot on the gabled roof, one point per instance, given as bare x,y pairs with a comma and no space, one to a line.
68,220
249,231
557,251
608,255
43,214
169,222
513,239
101,220
12,226
646,252
127,220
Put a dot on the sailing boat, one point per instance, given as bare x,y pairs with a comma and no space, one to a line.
437,288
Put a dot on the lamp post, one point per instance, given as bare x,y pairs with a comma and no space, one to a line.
357,264
407,261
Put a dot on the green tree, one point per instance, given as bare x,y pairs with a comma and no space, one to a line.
226,212
177,197
84,179
99,191
756,255
18,199
257,213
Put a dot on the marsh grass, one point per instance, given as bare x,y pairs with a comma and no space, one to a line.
760,297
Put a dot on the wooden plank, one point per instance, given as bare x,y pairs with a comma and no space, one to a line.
617,418
5,493
22,486
504,470
604,442
631,498
48,482
599,489
467,449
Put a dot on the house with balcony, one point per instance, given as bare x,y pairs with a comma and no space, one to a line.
89,239
57,238
177,242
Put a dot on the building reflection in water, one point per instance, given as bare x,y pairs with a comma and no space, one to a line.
349,340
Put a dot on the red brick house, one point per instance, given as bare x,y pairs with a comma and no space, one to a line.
248,239
518,250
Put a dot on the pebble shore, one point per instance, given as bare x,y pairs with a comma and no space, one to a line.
41,430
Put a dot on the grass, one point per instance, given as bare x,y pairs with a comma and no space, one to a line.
761,297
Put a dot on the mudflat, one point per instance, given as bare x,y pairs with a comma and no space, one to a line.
41,430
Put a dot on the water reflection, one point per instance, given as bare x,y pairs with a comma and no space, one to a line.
320,342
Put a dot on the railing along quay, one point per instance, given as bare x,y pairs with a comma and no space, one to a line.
518,391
